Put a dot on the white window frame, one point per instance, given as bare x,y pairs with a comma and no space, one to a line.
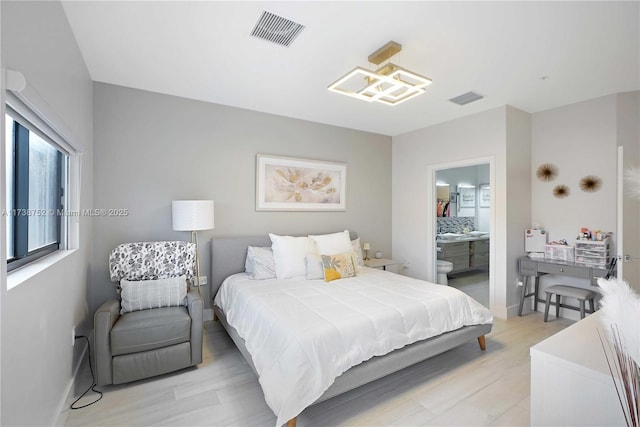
21,215
22,99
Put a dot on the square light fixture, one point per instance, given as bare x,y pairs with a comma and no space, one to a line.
389,84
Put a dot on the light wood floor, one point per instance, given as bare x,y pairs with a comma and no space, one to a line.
461,387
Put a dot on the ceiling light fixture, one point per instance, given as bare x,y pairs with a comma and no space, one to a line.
389,84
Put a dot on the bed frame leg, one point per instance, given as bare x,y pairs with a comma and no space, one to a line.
292,422
482,342
215,317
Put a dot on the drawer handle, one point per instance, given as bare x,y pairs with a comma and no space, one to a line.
562,269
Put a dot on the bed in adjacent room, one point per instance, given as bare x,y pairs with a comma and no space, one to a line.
309,340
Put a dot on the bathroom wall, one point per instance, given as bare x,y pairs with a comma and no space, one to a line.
473,176
455,224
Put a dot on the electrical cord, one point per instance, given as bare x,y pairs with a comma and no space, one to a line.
612,268
93,380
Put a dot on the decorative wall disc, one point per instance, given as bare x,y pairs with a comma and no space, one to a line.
547,172
590,183
561,191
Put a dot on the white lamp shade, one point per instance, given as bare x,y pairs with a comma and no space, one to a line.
192,215
366,247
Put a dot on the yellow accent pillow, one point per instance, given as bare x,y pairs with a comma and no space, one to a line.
339,266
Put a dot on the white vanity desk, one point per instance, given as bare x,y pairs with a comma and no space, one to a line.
570,380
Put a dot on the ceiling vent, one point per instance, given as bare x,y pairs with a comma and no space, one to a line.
466,98
276,29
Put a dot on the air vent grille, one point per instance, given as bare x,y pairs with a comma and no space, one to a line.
466,98
276,29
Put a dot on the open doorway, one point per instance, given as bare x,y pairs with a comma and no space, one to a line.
462,229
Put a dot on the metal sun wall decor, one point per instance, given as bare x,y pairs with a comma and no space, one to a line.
561,191
547,172
590,183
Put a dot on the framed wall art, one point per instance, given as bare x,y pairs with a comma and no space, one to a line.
290,184
467,197
485,196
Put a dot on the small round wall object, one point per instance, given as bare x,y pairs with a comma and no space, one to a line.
378,254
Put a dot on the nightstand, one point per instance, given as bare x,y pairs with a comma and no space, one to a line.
380,262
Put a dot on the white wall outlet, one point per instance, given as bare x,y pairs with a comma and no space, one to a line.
73,336
203,280
520,283
406,264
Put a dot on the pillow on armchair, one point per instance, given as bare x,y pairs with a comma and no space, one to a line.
143,294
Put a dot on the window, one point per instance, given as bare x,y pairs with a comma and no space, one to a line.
36,179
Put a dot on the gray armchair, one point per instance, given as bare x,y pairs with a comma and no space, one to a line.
145,343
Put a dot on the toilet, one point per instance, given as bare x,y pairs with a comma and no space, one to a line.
443,268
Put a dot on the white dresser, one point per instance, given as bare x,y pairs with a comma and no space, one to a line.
570,380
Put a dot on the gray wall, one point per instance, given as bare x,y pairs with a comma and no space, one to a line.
517,195
38,315
496,134
152,149
582,139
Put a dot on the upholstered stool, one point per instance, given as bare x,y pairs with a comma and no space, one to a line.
572,292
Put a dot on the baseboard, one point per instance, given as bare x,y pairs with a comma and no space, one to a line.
207,314
499,312
512,311
505,312
68,396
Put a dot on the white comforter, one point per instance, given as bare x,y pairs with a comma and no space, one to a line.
302,334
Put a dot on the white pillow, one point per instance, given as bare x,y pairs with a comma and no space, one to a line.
260,263
330,244
289,254
254,252
357,248
143,294
248,262
314,267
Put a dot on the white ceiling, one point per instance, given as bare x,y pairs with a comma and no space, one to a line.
203,50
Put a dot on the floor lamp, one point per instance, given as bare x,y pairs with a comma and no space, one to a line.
193,215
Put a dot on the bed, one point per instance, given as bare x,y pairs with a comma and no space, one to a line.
290,384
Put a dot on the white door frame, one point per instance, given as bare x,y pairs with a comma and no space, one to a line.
620,215
431,220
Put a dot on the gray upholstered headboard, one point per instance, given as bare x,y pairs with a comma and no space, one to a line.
228,255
